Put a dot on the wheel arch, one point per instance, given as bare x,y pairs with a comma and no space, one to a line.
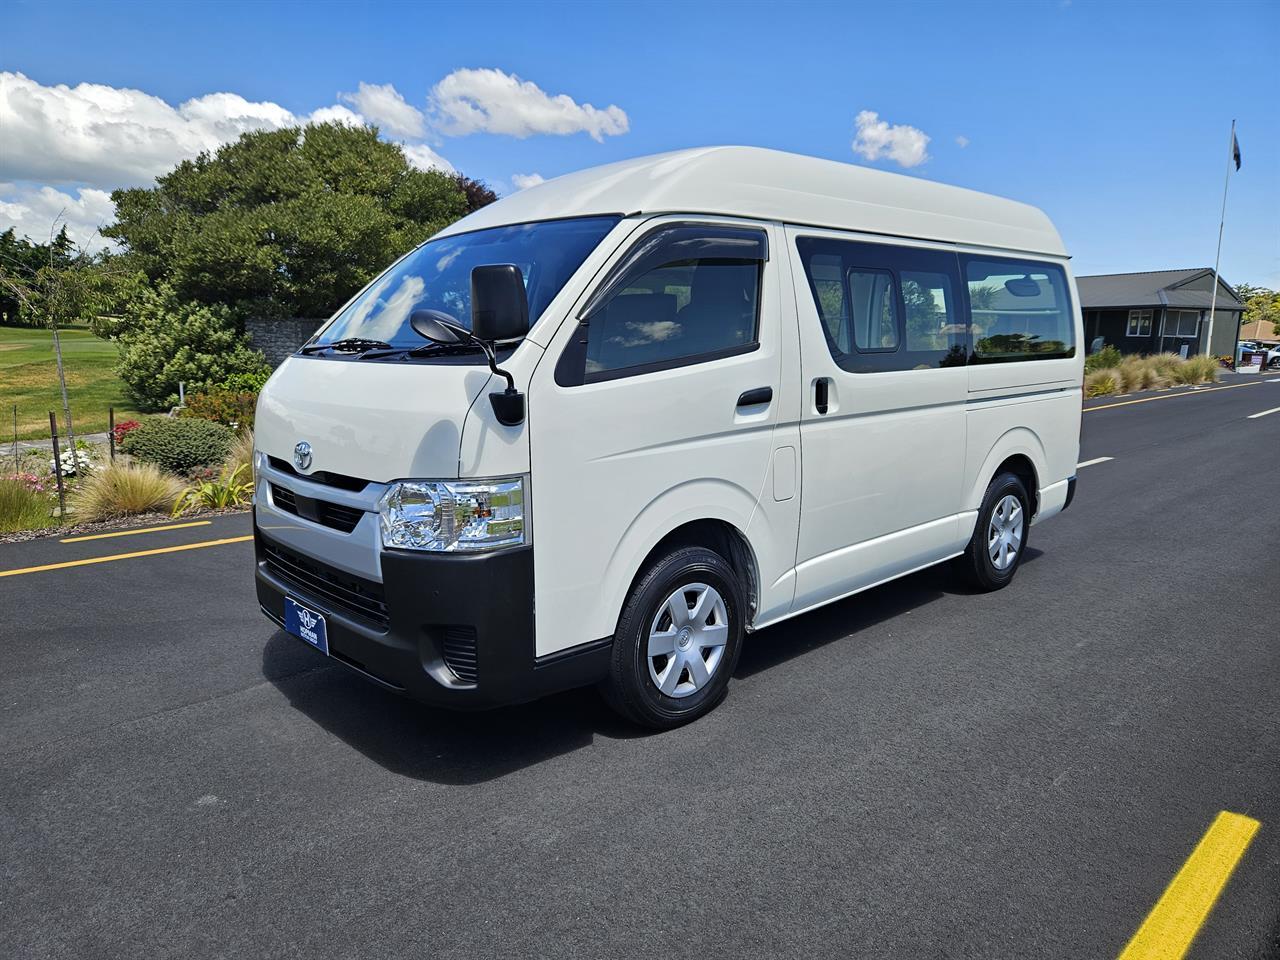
1021,453
683,517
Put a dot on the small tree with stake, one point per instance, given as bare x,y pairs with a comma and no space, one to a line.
51,290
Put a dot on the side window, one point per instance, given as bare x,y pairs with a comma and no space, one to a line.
684,294
885,307
874,306
1020,310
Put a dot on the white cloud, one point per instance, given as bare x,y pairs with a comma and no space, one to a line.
424,158
523,181
876,138
490,101
94,138
110,137
962,141
34,212
383,105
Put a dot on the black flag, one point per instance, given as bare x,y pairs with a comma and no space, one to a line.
1235,150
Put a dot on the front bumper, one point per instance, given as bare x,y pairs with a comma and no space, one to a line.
453,630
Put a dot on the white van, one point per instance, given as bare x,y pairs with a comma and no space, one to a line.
601,429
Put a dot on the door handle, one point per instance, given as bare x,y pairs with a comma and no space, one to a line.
820,388
751,398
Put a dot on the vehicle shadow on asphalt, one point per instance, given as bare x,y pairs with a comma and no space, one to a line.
442,746
427,743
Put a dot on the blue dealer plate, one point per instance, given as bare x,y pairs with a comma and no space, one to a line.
306,624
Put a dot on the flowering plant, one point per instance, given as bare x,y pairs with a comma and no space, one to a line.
73,462
122,428
33,482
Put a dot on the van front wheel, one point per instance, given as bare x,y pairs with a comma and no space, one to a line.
678,640
1000,535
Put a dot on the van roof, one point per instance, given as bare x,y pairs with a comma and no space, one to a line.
773,185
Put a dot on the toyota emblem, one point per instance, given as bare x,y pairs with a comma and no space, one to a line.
302,455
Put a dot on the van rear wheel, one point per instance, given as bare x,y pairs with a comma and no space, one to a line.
999,539
678,640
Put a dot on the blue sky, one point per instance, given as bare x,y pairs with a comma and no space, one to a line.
1112,117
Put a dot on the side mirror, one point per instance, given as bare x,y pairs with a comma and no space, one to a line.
437,326
499,305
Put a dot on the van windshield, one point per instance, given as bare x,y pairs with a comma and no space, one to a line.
437,276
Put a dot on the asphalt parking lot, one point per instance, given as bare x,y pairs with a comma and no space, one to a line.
914,772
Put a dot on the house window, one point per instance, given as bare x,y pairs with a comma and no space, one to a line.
1139,323
1181,323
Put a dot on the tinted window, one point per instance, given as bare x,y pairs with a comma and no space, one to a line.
885,307
1020,310
437,276
873,308
675,312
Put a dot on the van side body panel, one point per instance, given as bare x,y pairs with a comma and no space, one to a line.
619,463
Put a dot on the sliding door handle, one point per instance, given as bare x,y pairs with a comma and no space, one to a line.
751,398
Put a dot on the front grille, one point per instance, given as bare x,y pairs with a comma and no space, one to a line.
332,515
364,598
460,652
339,480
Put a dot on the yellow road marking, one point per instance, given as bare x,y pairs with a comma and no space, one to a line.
1170,396
130,533
1175,920
123,556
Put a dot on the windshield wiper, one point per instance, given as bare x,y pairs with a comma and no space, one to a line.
348,345
423,350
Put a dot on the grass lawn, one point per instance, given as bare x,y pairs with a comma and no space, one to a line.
29,378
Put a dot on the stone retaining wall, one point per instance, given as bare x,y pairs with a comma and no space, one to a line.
279,338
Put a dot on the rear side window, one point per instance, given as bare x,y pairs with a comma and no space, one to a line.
685,294
1020,310
885,307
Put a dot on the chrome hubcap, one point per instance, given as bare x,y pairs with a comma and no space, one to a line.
687,639
1004,534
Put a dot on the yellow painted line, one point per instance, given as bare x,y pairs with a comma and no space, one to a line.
1176,918
123,556
1171,396
130,533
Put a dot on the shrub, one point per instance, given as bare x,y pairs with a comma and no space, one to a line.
1198,369
168,341
1100,383
120,430
179,444
1104,358
247,382
120,490
230,407
229,489
21,508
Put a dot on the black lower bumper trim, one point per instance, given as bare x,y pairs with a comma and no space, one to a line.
1071,492
459,629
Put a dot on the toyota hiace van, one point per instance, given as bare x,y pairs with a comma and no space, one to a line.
602,429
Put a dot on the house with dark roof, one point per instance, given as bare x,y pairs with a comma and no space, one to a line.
1159,311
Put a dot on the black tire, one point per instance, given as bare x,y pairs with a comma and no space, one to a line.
975,565
630,688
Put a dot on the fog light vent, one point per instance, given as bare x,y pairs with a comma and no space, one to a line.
460,652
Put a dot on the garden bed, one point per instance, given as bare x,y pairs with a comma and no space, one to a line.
75,528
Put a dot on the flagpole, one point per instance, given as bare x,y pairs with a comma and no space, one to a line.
1217,260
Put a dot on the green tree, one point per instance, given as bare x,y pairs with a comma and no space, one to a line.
287,222
170,340
1263,305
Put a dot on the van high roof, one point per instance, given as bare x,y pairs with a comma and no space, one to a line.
773,185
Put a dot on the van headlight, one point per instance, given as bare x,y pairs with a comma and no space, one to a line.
453,515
